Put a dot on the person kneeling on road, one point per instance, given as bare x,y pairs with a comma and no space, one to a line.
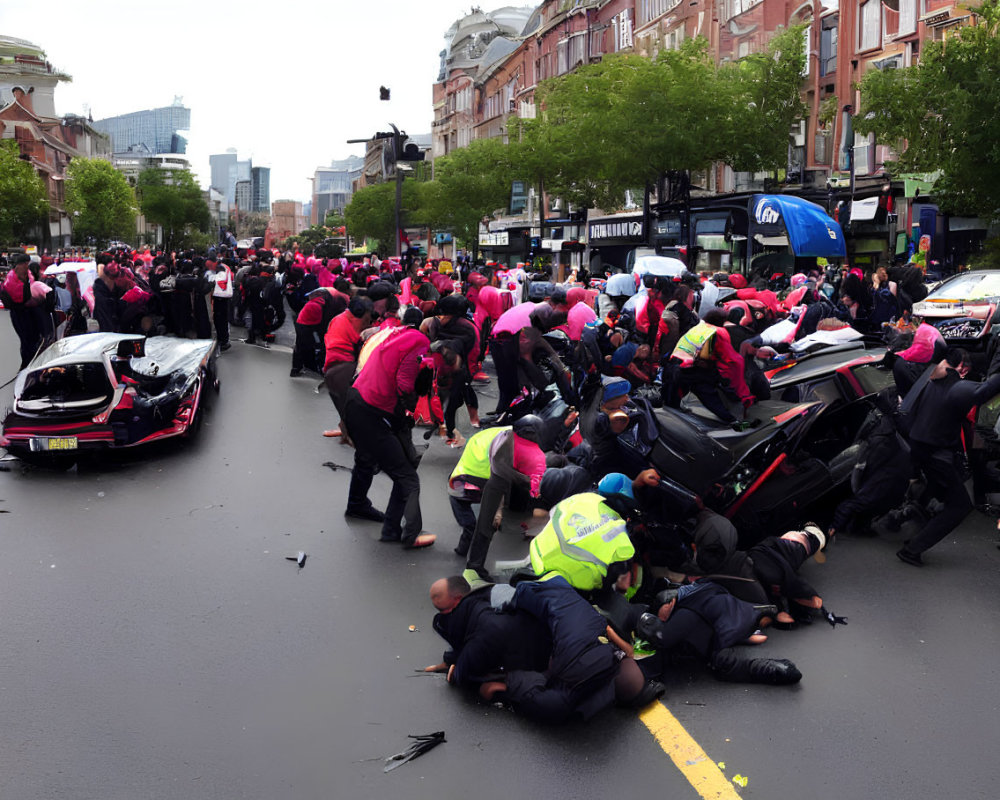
705,362
491,462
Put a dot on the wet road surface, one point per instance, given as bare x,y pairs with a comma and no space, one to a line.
157,643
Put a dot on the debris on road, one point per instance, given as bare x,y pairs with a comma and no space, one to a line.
422,743
300,559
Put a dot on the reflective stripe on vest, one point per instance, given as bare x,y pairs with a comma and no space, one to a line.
696,343
583,537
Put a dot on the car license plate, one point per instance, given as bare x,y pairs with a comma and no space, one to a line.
54,443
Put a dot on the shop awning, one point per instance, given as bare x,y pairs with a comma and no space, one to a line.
812,233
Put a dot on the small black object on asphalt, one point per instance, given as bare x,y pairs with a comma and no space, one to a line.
421,744
300,559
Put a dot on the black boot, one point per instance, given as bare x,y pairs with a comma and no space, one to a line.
773,671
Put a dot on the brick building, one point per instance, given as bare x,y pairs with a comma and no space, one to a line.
47,142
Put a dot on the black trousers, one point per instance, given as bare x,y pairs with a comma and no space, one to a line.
945,482
494,491
505,358
220,318
304,354
383,442
706,384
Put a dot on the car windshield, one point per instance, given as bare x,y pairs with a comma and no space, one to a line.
970,286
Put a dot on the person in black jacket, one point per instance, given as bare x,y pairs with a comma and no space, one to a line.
107,305
705,621
26,314
937,410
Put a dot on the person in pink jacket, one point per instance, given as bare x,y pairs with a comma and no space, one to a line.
376,414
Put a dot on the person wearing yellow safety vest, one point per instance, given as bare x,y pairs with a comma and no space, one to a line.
493,460
705,362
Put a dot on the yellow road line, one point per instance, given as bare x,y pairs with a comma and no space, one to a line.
700,770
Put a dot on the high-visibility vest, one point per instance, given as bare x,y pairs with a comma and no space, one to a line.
475,459
583,537
695,344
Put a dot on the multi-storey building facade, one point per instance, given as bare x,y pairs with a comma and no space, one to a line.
332,187
843,40
47,142
477,41
260,189
287,219
156,130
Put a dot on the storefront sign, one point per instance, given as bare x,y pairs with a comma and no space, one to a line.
628,229
498,239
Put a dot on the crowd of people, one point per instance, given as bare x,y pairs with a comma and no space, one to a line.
401,342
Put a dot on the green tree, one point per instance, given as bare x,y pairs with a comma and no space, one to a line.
624,122
173,200
334,220
468,184
23,199
944,114
101,201
371,212
251,224
765,91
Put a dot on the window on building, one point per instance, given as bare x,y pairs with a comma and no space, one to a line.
672,40
622,25
871,25
828,46
907,17
597,43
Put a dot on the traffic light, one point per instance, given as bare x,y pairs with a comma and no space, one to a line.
403,149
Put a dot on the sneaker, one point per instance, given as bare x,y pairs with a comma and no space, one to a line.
225,347
913,559
370,513
294,373
481,377
476,577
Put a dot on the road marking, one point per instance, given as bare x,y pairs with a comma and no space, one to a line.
693,762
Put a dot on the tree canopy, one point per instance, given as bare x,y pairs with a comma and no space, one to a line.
624,122
469,183
24,201
101,201
371,214
173,200
944,114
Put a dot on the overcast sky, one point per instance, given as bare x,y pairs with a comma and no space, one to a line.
286,83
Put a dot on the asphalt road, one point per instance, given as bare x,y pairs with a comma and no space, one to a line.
157,643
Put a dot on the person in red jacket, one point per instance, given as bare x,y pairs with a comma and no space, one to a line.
311,326
342,342
384,390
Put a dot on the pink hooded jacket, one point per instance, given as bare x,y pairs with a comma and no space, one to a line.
391,371
922,349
